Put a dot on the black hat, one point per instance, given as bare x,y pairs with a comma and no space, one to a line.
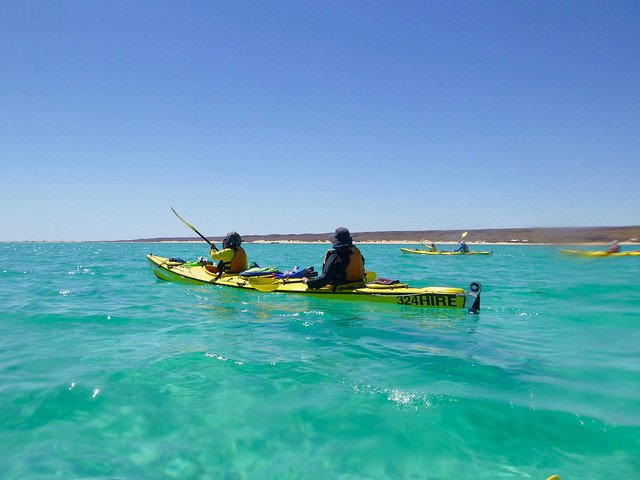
341,238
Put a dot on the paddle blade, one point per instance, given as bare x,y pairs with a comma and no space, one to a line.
186,223
264,284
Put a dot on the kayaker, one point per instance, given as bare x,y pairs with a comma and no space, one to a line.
232,258
343,264
433,247
614,248
463,248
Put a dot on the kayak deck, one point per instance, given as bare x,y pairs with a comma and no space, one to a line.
400,294
438,252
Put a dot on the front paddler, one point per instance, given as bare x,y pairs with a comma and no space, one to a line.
343,264
232,258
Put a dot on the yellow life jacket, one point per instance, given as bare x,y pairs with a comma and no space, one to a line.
355,269
238,263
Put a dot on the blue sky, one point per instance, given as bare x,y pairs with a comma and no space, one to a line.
301,116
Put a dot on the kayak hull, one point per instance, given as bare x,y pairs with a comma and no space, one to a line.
398,294
429,252
599,253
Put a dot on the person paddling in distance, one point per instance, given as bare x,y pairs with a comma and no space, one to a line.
343,264
232,258
614,248
462,248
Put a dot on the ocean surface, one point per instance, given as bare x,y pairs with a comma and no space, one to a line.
107,372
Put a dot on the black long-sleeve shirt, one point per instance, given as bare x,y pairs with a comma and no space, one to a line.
334,270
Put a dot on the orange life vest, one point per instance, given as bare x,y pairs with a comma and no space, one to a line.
355,269
238,263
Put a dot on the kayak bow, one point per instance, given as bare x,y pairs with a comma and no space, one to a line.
399,293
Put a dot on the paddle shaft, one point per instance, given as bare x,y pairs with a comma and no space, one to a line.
194,229
461,238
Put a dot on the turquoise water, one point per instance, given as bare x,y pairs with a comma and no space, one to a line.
109,373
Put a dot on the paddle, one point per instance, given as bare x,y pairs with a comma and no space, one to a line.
269,284
194,229
264,284
461,238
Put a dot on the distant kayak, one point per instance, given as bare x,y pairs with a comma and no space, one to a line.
599,253
178,270
438,252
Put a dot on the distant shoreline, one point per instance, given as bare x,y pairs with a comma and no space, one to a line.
507,236
319,242
629,235
296,242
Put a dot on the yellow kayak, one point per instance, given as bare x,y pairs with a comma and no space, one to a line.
438,252
599,253
398,293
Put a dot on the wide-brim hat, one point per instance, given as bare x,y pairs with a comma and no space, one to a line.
341,238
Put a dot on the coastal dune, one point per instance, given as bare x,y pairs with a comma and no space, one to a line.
554,236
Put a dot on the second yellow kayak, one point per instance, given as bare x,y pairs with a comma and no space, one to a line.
599,253
438,252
